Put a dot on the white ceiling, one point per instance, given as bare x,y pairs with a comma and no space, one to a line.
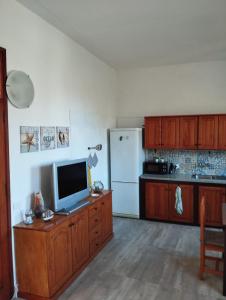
141,33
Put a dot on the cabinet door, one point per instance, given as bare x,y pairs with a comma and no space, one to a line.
170,132
60,256
188,132
152,129
214,196
222,133
187,192
106,217
208,132
156,201
80,239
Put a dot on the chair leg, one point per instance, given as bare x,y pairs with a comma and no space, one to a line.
217,265
202,261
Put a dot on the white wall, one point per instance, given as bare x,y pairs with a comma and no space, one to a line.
178,89
72,88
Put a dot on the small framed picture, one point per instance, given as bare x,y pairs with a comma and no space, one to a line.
48,138
62,137
29,139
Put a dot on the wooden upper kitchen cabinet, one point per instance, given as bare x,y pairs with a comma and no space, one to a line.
156,201
222,133
188,132
208,132
170,132
162,132
187,192
214,197
152,138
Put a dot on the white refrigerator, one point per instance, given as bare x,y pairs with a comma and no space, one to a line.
127,156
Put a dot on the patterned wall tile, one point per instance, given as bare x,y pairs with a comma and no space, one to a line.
199,162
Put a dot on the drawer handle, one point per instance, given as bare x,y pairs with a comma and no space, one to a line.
95,208
96,220
97,232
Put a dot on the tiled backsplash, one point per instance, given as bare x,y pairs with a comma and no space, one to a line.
199,162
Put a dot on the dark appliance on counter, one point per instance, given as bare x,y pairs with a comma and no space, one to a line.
151,167
172,168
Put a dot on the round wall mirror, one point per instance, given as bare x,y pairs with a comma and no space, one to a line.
20,89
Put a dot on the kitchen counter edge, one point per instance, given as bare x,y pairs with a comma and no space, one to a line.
181,178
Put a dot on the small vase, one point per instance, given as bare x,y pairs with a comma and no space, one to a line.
38,205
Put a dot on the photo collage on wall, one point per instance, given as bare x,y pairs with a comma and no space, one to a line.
48,138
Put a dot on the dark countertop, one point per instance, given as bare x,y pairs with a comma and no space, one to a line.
181,178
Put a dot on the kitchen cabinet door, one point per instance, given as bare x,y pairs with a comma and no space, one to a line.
222,133
80,239
214,197
188,133
156,201
170,132
106,217
187,192
60,256
152,132
208,132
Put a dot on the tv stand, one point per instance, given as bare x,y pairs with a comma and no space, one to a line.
69,210
50,255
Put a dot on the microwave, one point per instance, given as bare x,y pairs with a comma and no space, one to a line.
151,167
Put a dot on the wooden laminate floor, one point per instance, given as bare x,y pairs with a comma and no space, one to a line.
146,261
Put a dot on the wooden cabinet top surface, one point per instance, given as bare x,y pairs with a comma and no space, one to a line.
40,225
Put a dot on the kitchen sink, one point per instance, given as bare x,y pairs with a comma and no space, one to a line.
210,177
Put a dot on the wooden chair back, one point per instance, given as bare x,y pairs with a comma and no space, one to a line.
202,218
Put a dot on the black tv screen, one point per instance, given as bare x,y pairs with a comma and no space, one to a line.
71,179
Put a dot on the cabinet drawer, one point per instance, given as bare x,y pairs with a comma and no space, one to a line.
94,246
95,233
94,221
94,209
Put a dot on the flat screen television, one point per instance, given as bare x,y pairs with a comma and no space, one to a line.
69,183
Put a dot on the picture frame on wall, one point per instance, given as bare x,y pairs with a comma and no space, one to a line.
62,137
47,138
29,139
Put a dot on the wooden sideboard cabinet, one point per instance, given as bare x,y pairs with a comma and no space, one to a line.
50,255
